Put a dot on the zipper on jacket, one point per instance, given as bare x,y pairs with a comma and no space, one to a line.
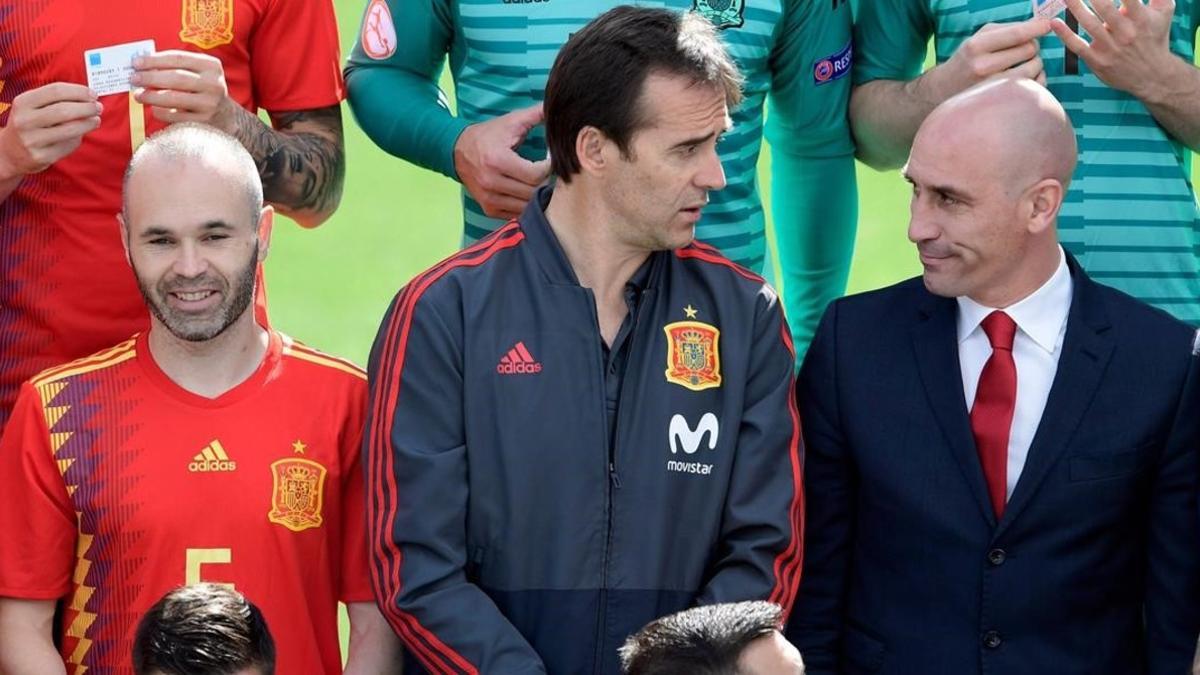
602,601
614,478
614,475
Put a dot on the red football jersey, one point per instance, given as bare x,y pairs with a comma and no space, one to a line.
65,287
122,486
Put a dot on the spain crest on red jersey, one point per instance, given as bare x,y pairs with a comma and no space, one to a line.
693,356
298,493
207,23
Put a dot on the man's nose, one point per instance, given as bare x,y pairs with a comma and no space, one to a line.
712,174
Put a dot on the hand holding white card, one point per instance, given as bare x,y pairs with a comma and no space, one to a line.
109,68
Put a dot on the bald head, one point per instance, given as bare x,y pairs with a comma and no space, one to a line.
203,148
989,170
1016,125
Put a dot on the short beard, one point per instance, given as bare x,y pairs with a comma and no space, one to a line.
241,295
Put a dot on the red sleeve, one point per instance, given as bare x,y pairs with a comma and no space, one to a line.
356,574
38,518
294,56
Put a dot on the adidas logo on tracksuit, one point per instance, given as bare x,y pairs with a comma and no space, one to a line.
518,361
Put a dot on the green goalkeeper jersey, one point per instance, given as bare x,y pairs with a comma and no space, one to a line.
500,54
1129,216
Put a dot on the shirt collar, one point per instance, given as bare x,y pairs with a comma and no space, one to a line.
1040,315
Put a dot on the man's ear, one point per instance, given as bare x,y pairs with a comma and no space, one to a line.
266,220
590,145
124,237
1042,202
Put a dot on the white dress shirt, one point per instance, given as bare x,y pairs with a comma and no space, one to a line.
1041,319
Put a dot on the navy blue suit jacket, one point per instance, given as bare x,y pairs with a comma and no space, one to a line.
1094,567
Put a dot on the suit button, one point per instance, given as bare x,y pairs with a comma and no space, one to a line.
996,556
991,639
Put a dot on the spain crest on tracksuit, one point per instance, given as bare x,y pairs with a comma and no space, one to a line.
722,13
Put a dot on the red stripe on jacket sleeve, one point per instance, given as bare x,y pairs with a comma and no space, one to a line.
433,653
788,563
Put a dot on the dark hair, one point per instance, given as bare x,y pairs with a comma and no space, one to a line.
597,77
706,640
204,629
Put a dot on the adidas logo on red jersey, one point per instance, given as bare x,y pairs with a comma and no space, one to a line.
212,459
518,361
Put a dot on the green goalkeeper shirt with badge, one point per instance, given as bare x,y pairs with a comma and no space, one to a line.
500,54
1130,216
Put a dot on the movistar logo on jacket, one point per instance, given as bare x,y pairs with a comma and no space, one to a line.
682,437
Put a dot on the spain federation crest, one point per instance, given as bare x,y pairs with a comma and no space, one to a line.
207,23
693,356
722,13
298,493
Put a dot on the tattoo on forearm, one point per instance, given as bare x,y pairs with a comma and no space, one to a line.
301,160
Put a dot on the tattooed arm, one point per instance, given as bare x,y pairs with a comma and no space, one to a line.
301,160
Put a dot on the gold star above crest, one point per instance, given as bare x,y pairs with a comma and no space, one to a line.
690,311
299,447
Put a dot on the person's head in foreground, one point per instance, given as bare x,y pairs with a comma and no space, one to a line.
635,104
737,638
989,169
203,629
195,230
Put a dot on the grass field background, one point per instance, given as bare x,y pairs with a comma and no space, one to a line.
330,286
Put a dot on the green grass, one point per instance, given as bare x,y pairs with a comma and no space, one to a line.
330,286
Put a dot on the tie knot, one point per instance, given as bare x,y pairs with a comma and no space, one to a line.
1000,329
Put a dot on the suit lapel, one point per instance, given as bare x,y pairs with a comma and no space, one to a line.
935,341
1087,347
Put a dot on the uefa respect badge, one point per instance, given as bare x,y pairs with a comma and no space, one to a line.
834,67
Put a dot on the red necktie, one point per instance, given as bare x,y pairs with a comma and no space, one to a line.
995,399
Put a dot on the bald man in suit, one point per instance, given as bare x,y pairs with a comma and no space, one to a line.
1001,465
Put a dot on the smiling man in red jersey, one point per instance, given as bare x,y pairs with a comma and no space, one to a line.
64,287
207,449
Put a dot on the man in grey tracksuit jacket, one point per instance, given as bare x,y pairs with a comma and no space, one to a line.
536,493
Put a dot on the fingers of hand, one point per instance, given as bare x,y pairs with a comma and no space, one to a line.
501,206
1107,11
188,102
69,131
181,80
53,93
173,115
52,153
43,147
992,63
1032,69
1132,8
511,165
500,185
543,167
56,113
997,37
1087,20
178,59
1069,38
527,118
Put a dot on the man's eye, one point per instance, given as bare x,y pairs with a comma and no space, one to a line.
946,199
